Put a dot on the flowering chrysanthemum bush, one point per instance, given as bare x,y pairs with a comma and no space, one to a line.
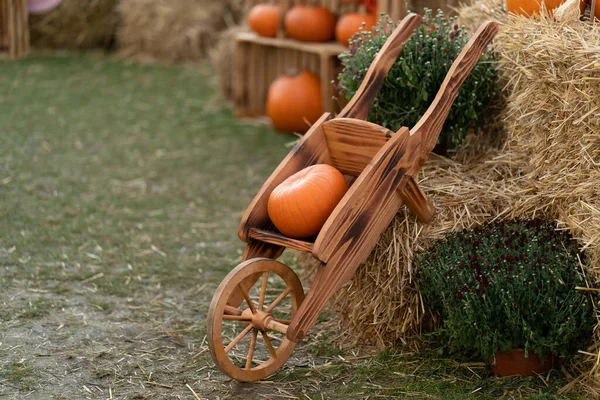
416,76
508,285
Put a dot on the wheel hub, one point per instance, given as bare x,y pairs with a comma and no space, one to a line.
259,321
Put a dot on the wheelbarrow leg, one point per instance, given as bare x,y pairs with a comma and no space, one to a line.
416,201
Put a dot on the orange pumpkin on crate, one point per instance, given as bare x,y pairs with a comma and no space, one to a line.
349,24
310,24
301,204
294,102
264,19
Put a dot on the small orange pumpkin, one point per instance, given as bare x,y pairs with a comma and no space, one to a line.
294,100
349,24
530,7
597,11
264,19
310,24
301,204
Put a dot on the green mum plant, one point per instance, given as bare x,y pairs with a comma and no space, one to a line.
508,285
416,76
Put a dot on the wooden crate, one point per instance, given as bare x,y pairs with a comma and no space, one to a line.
260,60
14,29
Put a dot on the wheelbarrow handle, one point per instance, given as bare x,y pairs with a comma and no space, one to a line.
361,102
430,125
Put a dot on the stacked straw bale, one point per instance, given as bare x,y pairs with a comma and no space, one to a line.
173,30
76,24
222,56
548,166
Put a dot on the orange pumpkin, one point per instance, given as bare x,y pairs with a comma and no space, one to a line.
597,11
264,19
310,24
349,24
301,204
294,100
530,7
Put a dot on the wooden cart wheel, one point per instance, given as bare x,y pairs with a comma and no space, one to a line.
248,342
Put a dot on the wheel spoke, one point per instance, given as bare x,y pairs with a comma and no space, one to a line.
232,310
276,326
247,297
278,300
263,290
251,349
269,344
228,317
283,321
238,338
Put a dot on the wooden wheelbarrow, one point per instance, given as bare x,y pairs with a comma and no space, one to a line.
259,312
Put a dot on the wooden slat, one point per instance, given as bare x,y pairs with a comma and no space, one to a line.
325,72
353,143
14,28
261,82
253,69
280,240
310,150
240,76
331,48
3,23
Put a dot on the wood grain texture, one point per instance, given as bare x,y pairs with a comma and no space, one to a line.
360,104
280,240
353,143
310,150
354,227
416,201
240,89
14,29
329,48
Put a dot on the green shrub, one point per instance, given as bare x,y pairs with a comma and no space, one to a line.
416,76
508,285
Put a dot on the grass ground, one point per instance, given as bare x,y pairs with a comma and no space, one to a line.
121,187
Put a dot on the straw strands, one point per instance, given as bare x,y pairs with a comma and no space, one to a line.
222,57
75,24
173,30
548,166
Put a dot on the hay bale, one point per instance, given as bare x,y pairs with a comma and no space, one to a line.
75,24
549,167
173,30
554,116
222,57
475,13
